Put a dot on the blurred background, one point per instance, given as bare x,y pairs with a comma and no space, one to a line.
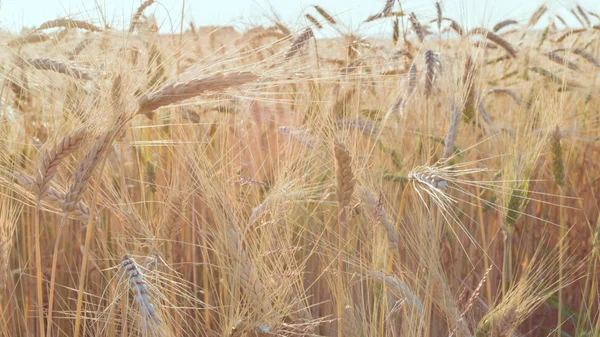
16,14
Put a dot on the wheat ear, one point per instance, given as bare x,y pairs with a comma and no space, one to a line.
52,159
138,286
179,91
554,57
69,23
325,15
31,38
135,19
496,39
503,24
537,15
417,26
314,21
299,42
57,66
452,133
430,61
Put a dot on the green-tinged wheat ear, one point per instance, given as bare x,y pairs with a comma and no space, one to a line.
516,202
344,175
499,324
556,152
468,111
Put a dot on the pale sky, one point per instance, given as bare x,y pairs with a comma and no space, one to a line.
15,14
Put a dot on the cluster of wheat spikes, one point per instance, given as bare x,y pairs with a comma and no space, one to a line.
302,180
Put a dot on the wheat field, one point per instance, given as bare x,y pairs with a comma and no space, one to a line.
439,181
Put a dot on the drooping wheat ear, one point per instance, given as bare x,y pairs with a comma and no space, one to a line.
169,224
51,160
57,66
498,324
581,52
554,57
556,153
69,23
325,15
55,198
299,42
537,15
31,38
455,26
376,212
135,19
430,62
496,39
79,48
505,91
584,16
399,289
503,24
88,165
138,286
176,92
569,33
438,11
314,21
468,111
452,133
344,176
416,25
